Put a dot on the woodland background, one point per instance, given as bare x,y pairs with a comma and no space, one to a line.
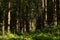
29,19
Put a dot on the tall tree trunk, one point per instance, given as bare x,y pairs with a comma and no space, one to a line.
45,12
17,21
54,14
57,6
9,16
24,29
21,25
3,26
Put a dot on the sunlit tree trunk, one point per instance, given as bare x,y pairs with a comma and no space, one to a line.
9,16
45,11
3,25
42,5
32,24
54,14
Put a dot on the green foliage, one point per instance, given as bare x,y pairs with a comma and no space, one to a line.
31,36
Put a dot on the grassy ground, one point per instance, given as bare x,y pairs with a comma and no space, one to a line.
31,36
46,34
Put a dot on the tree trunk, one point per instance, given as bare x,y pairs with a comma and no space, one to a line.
24,29
3,25
32,25
22,26
45,11
3,29
9,16
54,14
17,21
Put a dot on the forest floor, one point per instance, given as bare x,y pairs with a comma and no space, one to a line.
45,34
32,36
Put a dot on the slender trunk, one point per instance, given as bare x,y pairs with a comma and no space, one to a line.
21,25
45,12
9,16
17,25
3,26
17,22
43,4
29,25
24,26
54,14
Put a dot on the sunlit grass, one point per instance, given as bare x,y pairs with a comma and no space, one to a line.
38,36
33,36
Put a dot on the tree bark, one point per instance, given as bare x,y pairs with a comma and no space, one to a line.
45,11
9,16
3,26
17,21
54,14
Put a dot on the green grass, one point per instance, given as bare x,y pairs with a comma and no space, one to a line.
31,36
38,35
